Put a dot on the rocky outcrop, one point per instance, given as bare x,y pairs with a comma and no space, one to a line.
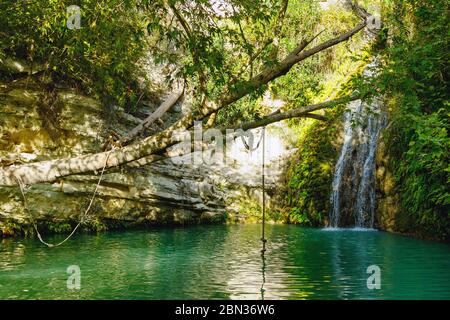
171,191
387,198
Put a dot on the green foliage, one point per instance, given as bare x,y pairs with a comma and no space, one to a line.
56,226
425,173
260,40
415,76
327,75
11,227
101,56
309,177
414,79
210,49
215,50
96,225
246,109
309,81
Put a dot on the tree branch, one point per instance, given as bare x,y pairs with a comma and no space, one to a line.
357,9
157,114
270,73
303,112
48,171
278,29
182,21
295,113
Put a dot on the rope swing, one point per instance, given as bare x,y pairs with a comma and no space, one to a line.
263,237
249,147
83,216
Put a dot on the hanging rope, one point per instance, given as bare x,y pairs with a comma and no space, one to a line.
83,216
249,146
263,274
263,238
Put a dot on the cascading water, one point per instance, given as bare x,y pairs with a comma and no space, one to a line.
353,187
347,148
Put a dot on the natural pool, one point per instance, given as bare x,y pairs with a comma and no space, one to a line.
224,262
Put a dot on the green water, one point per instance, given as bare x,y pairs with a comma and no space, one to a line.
224,262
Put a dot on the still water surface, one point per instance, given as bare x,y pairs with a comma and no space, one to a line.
224,262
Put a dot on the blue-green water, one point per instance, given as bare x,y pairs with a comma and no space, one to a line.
224,262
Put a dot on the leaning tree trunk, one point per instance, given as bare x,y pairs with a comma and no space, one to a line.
48,171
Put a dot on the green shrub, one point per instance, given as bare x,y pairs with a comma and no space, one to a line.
101,57
415,78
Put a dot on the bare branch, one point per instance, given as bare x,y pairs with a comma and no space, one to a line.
303,112
157,114
295,113
182,21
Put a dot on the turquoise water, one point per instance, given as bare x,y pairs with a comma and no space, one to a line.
224,262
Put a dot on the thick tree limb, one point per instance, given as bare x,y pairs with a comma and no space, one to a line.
48,171
315,116
294,113
357,9
303,112
278,70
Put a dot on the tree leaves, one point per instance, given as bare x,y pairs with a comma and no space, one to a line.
416,79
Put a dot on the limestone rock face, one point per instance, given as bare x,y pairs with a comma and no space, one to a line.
171,191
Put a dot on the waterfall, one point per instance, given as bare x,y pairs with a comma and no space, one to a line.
347,148
353,187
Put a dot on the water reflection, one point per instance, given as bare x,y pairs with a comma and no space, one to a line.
225,262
